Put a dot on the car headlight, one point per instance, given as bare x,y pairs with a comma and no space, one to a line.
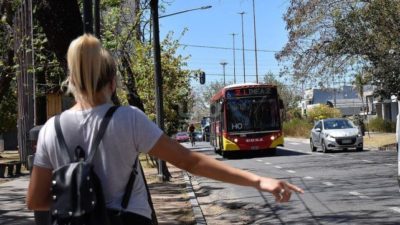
328,136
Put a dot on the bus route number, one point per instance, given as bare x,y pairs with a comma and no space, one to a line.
237,126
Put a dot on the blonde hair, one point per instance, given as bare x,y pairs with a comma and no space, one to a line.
90,66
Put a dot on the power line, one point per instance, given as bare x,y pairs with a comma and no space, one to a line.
227,48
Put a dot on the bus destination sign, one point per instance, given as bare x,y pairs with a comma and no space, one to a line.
248,92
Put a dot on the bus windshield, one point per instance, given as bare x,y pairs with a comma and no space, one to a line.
252,114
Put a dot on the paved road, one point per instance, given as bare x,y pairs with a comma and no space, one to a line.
340,188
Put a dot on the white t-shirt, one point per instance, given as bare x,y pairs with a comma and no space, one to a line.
128,133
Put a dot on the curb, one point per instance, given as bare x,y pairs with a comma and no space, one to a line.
198,213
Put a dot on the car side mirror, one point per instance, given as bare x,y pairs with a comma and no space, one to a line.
318,129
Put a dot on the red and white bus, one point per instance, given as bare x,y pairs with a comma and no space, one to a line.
246,117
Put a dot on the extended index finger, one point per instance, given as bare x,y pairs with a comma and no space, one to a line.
295,188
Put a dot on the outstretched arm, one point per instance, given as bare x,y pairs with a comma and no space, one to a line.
200,164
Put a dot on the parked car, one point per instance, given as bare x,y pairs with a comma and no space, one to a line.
182,137
336,134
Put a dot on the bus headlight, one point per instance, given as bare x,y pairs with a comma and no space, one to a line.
273,138
235,140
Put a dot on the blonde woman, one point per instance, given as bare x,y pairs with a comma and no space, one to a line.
92,74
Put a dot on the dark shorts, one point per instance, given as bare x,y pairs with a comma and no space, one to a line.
127,218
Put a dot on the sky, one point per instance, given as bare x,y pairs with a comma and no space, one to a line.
214,27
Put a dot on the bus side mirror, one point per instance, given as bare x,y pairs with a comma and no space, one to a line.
281,106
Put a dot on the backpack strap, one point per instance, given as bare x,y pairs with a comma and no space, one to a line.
60,138
100,134
129,185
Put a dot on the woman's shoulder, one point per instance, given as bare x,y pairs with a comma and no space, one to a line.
129,109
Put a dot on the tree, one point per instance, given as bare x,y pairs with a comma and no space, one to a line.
289,95
372,32
8,103
61,22
359,83
7,70
336,38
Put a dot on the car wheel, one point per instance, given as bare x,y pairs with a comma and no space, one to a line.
324,148
313,148
360,149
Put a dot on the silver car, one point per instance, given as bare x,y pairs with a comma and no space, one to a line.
336,134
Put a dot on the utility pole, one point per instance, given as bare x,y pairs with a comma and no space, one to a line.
255,40
234,58
158,78
243,57
223,63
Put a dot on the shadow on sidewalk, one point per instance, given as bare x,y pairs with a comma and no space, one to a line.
170,199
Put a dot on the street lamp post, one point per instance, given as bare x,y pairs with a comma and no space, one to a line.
255,40
223,69
234,58
243,57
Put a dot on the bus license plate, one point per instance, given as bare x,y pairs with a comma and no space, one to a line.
255,147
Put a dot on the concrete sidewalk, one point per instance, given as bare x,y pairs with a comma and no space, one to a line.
13,209
172,200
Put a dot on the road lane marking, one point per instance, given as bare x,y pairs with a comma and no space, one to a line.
308,178
290,171
367,161
278,167
294,143
389,164
328,184
259,160
267,163
396,209
332,155
358,194
318,153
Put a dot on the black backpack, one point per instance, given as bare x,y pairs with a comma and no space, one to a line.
76,189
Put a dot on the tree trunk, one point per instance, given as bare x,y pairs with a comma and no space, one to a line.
6,75
130,83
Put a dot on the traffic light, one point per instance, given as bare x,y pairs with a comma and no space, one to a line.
202,77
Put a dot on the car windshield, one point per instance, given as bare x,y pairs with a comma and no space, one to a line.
252,114
338,124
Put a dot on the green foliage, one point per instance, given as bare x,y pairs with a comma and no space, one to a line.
289,95
8,111
294,113
297,128
342,39
380,125
322,112
136,68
